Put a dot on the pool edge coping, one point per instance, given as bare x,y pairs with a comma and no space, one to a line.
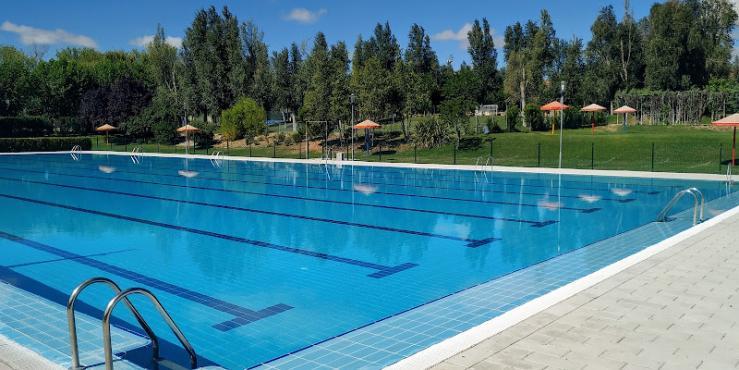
439,352
23,355
514,169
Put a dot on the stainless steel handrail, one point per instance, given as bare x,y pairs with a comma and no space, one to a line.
107,345
698,205
76,148
71,321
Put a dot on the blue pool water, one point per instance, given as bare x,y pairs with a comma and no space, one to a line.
257,260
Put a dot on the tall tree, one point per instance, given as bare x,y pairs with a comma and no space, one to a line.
484,61
315,103
256,58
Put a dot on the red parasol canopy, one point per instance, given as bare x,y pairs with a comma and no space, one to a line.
730,121
367,124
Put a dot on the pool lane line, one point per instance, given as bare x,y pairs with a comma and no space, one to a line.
247,315
584,210
34,263
373,172
471,243
295,197
324,179
37,288
381,272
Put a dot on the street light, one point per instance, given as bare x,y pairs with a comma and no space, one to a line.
351,101
561,120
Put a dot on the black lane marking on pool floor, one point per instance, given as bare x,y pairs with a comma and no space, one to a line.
28,284
34,263
472,243
381,272
244,314
323,179
583,210
295,197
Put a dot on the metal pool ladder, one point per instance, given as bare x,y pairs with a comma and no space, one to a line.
73,152
135,155
215,159
122,296
698,205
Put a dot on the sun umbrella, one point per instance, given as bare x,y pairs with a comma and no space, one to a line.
106,128
730,121
593,108
625,110
187,129
366,125
553,107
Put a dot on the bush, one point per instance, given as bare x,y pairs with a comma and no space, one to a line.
512,117
44,144
535,118
25,126
470,142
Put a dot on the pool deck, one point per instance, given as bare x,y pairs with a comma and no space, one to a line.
678,309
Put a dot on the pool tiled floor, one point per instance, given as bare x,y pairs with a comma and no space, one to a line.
678,309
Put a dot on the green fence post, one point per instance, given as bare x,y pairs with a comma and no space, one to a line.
652,157
491,147
592,156
454,160
415,153
274,149
97,142
250,145
720,156
380,153
158,147
538,154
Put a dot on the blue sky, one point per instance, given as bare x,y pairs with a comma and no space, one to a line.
109,25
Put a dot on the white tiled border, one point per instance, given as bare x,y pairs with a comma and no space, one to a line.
532,170
17,357
454,345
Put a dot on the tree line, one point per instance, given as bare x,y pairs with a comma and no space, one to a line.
680,45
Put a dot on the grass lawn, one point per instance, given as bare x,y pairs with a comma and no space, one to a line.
676,149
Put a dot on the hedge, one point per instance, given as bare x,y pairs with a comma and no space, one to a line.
25,126
43,144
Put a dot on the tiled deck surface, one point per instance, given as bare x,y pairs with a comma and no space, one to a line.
676,310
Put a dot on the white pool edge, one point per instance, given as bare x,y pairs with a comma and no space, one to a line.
531,170
449,347
19,357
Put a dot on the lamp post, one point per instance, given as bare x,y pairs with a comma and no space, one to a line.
351,101
561,120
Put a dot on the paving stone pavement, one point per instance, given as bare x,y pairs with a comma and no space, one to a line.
678,309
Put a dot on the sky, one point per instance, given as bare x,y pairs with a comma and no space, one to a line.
114,25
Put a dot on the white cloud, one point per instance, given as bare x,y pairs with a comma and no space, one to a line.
461,36
145,40
37,36
302,15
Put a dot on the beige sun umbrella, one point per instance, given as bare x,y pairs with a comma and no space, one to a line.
593,108
367,125
106,128
625,110
187,129
730,121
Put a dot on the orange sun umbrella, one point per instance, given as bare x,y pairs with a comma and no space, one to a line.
593,108
367,125
730,121
553,107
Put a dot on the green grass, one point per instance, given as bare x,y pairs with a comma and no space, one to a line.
676,149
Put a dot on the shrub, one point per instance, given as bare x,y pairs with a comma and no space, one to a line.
535,118
43,144
248,115
512,117
25,126
430,132
470,142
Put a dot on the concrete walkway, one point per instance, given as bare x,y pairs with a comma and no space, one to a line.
676,310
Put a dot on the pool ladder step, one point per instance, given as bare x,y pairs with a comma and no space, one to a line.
698,205
122,295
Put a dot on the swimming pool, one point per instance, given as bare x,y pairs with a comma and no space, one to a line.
258,261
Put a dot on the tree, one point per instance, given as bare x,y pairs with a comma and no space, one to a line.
339,110
484,61
256,58
459,100
15,81
316,106
246,118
